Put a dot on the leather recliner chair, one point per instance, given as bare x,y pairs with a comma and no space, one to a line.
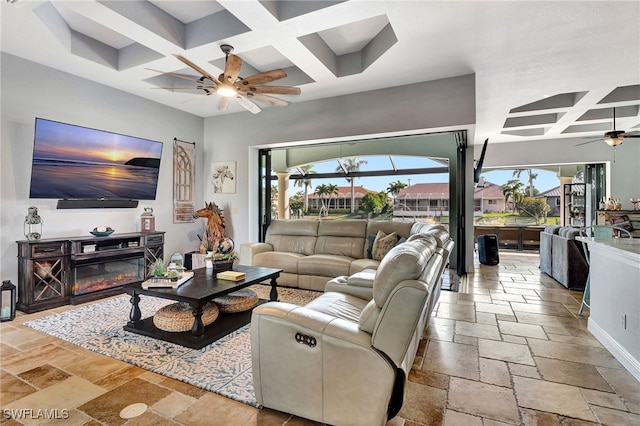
342,359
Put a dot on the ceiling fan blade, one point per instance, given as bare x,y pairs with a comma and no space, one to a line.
247,104
223,103
197,68
173,74
267,99
587,142
273,90
232,68
195,97
263,77
185,87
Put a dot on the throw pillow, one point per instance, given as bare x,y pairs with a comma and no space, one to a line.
370,240
382,244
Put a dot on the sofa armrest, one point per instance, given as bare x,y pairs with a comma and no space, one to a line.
401,322
249,250
308,379
341,285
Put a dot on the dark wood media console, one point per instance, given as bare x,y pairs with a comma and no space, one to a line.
63,271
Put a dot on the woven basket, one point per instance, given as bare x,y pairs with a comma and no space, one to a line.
179,317
238,301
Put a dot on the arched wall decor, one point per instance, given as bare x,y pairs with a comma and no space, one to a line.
183,180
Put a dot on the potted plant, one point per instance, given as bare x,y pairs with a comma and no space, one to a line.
220,261
156,268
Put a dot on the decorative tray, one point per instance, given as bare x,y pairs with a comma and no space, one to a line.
167,282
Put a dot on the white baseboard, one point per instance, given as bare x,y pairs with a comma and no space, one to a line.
619,352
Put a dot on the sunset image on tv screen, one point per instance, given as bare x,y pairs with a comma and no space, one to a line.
73,162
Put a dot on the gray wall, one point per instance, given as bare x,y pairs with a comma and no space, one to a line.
447,104
30,90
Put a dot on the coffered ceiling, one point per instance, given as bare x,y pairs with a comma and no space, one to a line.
543,69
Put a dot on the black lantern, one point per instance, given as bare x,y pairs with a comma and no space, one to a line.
7,301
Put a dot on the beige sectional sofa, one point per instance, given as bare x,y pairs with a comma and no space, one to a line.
343,359
311,252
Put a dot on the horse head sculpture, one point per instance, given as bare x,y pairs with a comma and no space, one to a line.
214,232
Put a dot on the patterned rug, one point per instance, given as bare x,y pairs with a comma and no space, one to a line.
223,367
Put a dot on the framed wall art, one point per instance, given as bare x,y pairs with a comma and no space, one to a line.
223,177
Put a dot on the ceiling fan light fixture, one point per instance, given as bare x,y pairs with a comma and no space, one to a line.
613,141
226,90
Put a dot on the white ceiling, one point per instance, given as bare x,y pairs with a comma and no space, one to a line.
543,69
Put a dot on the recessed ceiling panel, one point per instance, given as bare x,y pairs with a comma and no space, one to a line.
607,113
350,49
92,29
110,48
531,120
187,11
287,9
151,18
212,28
582,128
353,37
622,94
564,100
526,132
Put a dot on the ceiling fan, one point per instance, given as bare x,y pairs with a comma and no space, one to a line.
614,137
230,85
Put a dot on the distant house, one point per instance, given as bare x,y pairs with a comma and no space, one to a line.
552,198
489,199
432,199
342,200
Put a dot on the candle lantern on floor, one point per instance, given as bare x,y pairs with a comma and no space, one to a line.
7,301
148,222
32,224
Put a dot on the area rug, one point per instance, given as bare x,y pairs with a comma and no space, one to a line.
223,367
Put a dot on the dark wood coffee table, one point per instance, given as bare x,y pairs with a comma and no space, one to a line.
197,292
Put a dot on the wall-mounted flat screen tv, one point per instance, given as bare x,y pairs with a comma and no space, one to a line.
73,162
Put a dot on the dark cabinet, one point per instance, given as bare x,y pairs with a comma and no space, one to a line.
49,271
43,275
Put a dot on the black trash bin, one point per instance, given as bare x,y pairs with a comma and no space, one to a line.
488,249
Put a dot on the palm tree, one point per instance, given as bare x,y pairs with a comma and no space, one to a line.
322,191
394,188
532,176
351,164
332,190
513,189
306,182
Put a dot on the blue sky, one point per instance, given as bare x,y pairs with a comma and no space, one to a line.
545,180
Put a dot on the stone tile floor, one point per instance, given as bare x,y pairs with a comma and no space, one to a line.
508,349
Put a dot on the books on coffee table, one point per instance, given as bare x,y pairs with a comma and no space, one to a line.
231,275
167,282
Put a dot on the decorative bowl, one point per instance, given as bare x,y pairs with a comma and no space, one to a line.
101,234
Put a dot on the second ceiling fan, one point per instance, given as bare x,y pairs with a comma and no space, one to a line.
614,137
229,85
